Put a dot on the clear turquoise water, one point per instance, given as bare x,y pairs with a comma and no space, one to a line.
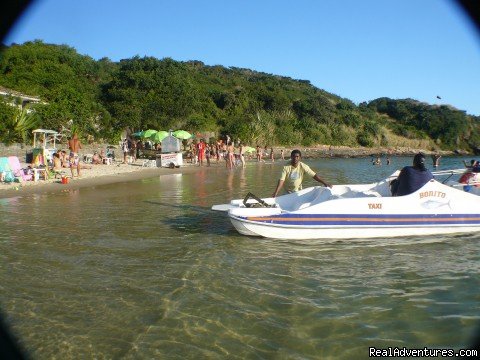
144,269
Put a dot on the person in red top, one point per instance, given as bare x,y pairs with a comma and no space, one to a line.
201,152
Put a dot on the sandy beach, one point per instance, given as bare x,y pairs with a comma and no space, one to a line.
96,175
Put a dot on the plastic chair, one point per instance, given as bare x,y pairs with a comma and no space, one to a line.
6,173
110,153
18,171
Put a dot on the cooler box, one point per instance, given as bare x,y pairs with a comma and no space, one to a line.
166,160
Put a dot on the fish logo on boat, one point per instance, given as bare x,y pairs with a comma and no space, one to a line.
433,204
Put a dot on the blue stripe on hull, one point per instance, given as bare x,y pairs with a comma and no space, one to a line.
368,220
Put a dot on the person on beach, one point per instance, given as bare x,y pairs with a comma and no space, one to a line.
213,150
133,150
230,156
201,152
272,159
218,146
208,153
411,178
57,162
74,145
259,153
139,147
282,154
294,172
193,152
241,155
125,149
96,160
64,158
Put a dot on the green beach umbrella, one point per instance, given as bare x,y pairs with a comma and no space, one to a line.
158,136
182,134
148,133
249,149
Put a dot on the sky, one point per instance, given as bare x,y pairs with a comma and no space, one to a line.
357,49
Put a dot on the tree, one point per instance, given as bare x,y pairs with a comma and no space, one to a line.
17,128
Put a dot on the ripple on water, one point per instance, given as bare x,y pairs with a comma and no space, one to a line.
146,270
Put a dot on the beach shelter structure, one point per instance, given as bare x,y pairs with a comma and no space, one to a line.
182,134
158,136
148,133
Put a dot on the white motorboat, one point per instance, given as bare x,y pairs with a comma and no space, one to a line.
358,211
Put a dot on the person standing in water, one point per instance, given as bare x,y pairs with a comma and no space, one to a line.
294,172
436,160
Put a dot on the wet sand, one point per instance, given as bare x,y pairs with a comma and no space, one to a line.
97,175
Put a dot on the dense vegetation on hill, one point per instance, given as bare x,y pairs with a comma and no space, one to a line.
102,98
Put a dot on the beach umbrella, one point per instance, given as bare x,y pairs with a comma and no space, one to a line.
182,134
249,149
148,133
158,136
138,134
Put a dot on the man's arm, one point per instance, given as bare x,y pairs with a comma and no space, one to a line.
279,186
320,180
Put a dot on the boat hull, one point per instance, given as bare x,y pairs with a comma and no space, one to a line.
277,231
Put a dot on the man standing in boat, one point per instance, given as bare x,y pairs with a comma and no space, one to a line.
294,172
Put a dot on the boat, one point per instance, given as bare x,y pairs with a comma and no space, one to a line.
359,211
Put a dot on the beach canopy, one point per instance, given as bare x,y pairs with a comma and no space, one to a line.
158,136
182,134
249,149
148,133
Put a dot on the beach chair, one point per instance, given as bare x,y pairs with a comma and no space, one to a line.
23,174
6,173
88,158
110,153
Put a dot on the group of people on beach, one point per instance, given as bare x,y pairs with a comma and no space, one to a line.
234,154
62,160
410,179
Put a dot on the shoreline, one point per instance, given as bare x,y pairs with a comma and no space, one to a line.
115,173
97,175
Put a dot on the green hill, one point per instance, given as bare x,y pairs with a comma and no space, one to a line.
102,98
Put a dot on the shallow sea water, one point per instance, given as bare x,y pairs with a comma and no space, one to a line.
145,269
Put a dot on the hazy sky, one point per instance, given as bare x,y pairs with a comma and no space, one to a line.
357,49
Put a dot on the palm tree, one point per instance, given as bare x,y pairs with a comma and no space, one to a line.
18,128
